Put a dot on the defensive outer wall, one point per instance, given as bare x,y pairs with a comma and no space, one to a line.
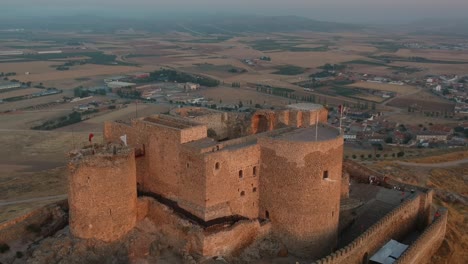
413,214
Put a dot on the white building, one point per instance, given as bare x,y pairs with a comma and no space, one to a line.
11,85
116,84
191,86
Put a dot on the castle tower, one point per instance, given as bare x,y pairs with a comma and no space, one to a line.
300,185
102,193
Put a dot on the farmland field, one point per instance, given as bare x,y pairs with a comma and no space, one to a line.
399,89
19,92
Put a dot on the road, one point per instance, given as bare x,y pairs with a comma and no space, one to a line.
38,199
434,165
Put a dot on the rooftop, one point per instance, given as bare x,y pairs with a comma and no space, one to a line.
313,133
171,122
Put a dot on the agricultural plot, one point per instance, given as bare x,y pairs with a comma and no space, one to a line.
399,89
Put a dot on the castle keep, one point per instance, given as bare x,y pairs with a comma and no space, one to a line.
281,176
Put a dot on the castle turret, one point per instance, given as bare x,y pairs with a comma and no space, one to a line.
102,193
300,185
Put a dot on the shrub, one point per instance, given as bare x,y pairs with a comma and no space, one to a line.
4,247
400,154
33,228
19,254
354,156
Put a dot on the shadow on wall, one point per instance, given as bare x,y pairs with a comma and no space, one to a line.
260,124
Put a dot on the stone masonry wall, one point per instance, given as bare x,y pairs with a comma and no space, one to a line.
102,195
302,205
427,244
191,238
232,181
394,225
17,228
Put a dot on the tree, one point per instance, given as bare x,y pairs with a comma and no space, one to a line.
389,140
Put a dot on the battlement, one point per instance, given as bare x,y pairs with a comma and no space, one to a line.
98,151
320,132
170,122
427,243
394,225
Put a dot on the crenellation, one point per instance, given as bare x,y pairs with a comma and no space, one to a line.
284,176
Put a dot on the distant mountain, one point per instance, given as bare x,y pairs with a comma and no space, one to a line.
452,27
229,24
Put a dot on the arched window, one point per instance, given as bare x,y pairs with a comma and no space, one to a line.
242,193
267,214
241,174
254,171
254,189
217,165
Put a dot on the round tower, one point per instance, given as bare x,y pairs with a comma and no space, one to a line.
102,193
300,186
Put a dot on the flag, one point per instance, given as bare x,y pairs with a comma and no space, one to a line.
90,137
124,139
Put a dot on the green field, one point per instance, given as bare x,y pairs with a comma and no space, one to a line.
269,45
289,70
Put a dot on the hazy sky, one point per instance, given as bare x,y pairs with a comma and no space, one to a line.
330,10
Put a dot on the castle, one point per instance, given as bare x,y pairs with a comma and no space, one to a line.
282,176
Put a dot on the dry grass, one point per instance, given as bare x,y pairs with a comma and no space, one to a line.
400,89
33,166
77,72
442,158
234,95
19,92
33,67
448,180
26,120
312,59
435,68
434,54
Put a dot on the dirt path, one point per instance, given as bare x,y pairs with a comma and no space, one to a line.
434,165
39,199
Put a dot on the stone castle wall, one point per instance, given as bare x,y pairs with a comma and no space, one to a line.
394,225
302,206
43,218
427,244
193,239
102,195
232,182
